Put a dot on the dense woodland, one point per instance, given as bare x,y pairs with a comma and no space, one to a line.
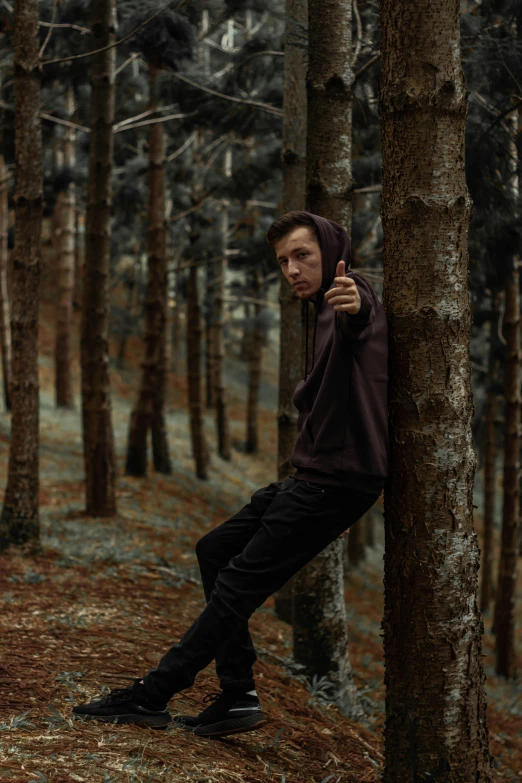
145,150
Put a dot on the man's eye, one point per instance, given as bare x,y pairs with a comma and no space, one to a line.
301,254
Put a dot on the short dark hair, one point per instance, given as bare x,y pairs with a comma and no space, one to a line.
287,222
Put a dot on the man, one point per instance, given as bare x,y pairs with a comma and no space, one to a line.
341,461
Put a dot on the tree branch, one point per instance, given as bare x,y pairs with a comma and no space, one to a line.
116,43
266,106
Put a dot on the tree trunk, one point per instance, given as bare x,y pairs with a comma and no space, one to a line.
255,355
357,542
293,197
195,402
508,563
19,522
210,335
65,266
98,442
369,522
5,318
320,642
218,342
149,410
175,343
490,460
328,180
435,705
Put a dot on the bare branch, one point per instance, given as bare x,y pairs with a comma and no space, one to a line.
50,32
266,106
116,43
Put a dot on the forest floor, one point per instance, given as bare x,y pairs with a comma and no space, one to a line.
109,596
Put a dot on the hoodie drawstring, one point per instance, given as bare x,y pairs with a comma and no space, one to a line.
317,306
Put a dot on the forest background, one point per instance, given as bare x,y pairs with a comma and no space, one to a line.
174,267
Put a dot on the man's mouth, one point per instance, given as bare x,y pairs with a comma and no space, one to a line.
296,285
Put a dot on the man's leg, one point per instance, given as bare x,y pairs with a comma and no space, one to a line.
299,523
236,656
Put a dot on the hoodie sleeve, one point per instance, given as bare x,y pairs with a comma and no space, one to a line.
359,326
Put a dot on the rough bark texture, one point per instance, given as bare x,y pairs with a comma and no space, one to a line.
319,586
5,316
435,705
508,563
218,341
254,357
149,411
320,643
19,522
98,441
357,542
293,197
65,268
329,98
490,460
195,401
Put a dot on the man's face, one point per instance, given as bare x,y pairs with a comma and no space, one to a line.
299,256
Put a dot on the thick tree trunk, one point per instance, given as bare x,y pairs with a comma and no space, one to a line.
293,197
195,402
149,410
255,355
328,180
98,440
5,317
435,705
508,563
19,522
490,460
65,264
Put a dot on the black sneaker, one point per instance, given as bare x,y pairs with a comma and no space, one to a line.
231,712
124,705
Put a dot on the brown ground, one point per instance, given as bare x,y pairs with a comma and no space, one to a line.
108,597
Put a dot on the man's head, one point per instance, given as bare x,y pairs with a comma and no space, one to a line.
295,239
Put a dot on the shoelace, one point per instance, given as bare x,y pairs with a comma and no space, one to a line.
214,696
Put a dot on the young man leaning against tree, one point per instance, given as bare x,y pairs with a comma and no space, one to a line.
341,461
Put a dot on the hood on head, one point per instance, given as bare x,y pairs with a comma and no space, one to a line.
335,246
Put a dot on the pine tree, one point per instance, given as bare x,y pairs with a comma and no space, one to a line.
320,636
19,522
98,444
435,705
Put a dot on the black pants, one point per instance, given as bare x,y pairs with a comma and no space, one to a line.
243,561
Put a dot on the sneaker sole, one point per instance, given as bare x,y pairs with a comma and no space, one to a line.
231,726
152,721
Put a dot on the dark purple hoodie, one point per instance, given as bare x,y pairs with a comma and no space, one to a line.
343,398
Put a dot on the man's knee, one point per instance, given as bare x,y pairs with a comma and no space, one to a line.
206,547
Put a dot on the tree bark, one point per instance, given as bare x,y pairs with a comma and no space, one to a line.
65,264
490,460
357,542
19,522
291,362
149,410
435,704
98,442
320,643
195,402
5,317
218,341
328,193
254,358
505,664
